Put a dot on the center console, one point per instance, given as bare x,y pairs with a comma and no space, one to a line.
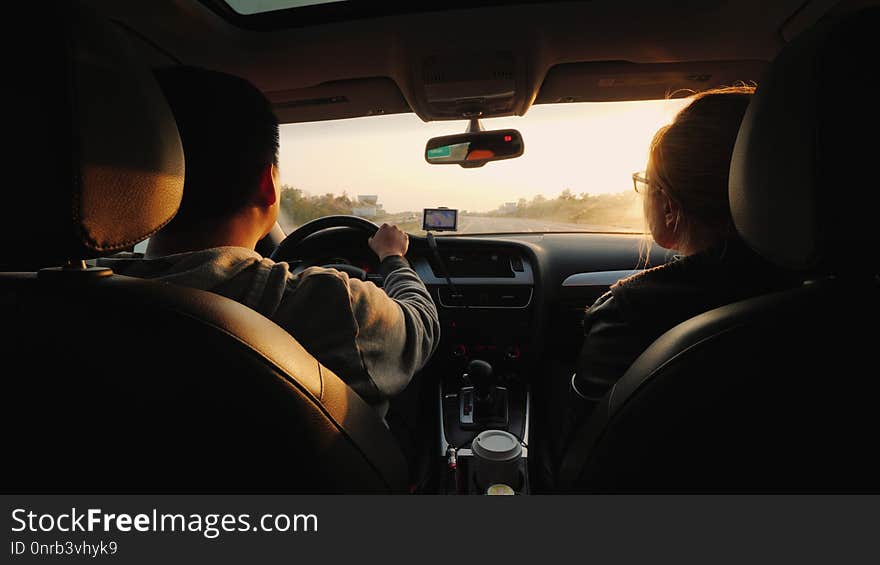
483,417
485,296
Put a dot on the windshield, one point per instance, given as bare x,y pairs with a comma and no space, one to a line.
575,174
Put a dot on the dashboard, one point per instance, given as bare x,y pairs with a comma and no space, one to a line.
518,299
510,299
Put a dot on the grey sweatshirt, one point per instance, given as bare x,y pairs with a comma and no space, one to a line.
374,340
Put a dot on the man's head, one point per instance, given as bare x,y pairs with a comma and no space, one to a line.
230,143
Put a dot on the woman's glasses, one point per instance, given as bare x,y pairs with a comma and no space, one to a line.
640,182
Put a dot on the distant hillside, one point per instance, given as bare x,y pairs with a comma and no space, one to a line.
297,208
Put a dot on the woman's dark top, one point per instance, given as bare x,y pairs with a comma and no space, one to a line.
637,310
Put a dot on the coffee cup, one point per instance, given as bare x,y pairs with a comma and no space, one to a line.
497,459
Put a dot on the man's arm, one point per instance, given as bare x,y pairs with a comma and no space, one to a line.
374,340
398,328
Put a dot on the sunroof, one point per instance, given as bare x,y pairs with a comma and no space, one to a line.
250,7
269,15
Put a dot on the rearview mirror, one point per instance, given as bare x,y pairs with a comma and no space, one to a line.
474,149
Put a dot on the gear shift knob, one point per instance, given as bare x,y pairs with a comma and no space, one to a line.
479,373
482,405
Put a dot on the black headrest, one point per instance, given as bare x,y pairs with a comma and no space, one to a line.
97,163
803,181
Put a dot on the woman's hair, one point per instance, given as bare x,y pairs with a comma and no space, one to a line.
690,160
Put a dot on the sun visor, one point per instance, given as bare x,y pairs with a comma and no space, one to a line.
618,81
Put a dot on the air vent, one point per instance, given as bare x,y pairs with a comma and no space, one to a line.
434,77
485,296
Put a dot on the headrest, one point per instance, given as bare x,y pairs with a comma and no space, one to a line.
97,161
803,180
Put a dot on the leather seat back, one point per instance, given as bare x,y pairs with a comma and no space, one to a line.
111,383
124,384
772,394
778,392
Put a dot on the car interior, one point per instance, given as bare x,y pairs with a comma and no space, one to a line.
114,383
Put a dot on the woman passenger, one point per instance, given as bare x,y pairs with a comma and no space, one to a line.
686,209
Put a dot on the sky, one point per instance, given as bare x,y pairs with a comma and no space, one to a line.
585,147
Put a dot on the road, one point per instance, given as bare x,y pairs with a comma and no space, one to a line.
486,224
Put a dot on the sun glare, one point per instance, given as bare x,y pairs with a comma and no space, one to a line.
587,147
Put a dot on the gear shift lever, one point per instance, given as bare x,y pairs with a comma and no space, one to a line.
479,373
484,404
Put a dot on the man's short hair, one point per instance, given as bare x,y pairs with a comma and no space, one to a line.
229,135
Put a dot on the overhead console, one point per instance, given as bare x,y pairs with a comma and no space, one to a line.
477,83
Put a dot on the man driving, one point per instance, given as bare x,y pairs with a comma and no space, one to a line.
375,340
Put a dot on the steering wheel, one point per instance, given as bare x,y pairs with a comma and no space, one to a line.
287,249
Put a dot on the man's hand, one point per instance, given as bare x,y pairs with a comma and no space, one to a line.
389,240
